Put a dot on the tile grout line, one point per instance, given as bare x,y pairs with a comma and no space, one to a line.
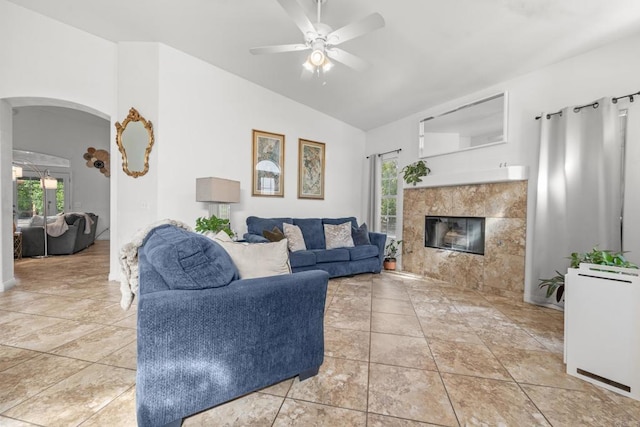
444,386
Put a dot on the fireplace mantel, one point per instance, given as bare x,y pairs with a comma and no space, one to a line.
483,176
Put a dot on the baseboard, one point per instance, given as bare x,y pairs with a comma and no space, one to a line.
8,284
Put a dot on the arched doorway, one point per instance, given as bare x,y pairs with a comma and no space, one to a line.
50,114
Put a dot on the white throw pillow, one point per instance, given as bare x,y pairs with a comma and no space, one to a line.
37,221
294,236
257,259
338,236
220,235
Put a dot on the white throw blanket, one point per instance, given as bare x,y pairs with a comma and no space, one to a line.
129,261
58,227
88,222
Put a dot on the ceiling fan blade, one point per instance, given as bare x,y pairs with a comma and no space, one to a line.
293,9
356,29
347,59
281,48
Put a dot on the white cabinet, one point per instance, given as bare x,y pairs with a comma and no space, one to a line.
602,327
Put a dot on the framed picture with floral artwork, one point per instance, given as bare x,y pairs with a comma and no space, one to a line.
268,164
310,169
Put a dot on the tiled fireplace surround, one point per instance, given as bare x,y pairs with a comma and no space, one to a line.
503,204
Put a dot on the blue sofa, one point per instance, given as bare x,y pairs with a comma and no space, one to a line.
337,262
206,337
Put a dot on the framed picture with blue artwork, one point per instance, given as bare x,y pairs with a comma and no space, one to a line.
268,164
311,157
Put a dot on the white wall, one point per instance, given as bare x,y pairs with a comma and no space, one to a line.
205,129
134,201
608,71
203,118
47,59
6,237
69,133
46,62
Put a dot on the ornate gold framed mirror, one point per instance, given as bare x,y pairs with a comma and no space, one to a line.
135,139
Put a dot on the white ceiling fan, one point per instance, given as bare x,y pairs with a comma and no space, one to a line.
322,39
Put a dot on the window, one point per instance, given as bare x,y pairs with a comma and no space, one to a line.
29,198
388,195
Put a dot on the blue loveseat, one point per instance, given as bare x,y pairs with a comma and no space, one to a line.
338,262
206,337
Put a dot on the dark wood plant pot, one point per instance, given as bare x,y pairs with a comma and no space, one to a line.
389,264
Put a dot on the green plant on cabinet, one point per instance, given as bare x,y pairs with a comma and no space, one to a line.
555,284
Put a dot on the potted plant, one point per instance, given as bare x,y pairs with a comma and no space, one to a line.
213,224
391,250
596,256
414,172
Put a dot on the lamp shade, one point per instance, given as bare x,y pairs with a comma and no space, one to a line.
219,190
16,172
49,183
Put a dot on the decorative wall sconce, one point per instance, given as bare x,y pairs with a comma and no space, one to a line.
98,159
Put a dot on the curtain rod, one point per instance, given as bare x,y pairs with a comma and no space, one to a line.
548,116
630,96
397,150
593,104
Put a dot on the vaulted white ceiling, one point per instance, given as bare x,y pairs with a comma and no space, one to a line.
429,52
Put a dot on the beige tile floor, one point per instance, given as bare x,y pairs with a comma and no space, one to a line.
400,351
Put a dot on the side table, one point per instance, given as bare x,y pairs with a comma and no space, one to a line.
17,244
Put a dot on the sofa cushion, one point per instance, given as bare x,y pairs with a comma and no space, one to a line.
38,220
259,260
335,221
331,255
274,235
363,252
312,231
302,259
188,260
360,235
338,236
256,225
294,238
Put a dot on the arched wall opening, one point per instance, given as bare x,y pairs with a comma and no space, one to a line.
7,106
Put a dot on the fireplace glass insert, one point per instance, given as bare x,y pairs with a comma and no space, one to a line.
455,233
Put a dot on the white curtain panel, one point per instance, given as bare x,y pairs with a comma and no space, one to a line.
371,215
631,237
579,203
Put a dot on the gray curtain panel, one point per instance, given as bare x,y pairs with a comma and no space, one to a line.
578,200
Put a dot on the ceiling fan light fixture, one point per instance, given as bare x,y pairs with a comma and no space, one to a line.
325,65
317,57
322,40
308,65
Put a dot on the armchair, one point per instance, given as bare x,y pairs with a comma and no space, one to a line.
206,337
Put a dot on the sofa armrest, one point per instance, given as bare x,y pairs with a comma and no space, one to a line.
255,238
32,241
197,349
63,244
379,240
